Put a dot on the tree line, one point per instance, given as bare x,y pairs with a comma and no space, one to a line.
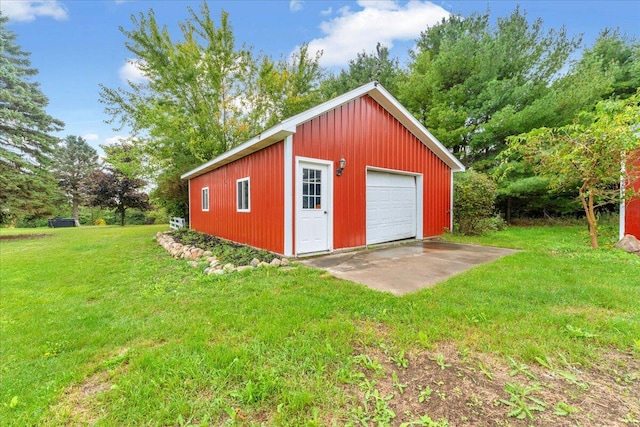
487,91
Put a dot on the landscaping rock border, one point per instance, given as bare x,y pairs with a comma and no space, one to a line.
629,244
195,255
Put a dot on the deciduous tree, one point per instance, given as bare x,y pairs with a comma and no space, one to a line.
117,186
588,154
112,189
202,95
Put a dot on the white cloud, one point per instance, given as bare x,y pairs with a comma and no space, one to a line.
116,139
378,21
131,71
295,5
24,10
326,12
90,137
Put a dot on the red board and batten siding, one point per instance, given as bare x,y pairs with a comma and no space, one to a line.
263,226
632,209
366,135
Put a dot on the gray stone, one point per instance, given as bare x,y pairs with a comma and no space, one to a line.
244,268
214,263
629,243
211,258
228,268
284,261
218,272
255,262
193,263
207,253
207,270
275,262
263,264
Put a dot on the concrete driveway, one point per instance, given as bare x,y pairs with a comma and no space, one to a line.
408,267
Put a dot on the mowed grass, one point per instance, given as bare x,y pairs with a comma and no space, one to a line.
99,325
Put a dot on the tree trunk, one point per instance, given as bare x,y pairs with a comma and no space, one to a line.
508,218
589,210
75,212
122,217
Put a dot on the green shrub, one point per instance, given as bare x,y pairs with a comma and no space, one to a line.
493,223
158,216
32,222
135,217
474,201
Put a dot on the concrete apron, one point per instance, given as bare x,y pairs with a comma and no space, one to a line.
406,268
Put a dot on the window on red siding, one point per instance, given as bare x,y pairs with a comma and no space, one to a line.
205,199
243,198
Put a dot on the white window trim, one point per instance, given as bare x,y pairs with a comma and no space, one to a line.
203,199
248,179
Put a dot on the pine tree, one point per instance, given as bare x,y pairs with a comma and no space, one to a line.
74,162
26,143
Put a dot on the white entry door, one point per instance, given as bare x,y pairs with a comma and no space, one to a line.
313,214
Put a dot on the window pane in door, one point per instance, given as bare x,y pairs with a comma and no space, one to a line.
311,189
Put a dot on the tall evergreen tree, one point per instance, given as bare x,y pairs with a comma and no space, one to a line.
74,162
619,56
26,143
365,68
471,82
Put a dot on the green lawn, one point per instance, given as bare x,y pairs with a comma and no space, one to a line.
99,324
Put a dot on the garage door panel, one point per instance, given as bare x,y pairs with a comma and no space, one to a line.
391,207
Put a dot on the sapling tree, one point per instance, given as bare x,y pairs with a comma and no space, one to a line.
588,154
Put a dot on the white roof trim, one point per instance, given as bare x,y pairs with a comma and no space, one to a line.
288,127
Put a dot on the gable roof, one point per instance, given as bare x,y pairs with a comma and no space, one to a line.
288,127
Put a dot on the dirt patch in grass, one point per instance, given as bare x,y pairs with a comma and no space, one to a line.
452,387
24,236
79,403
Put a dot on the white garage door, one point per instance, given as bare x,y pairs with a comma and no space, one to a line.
391,207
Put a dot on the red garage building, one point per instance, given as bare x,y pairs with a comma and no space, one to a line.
630,211
354,171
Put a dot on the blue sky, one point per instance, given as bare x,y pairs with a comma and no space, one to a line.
76,44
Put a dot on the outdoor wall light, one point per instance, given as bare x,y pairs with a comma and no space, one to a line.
342,164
